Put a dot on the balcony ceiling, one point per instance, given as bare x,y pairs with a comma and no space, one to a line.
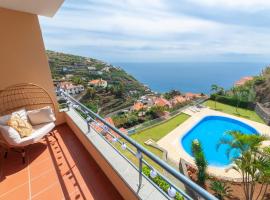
40,7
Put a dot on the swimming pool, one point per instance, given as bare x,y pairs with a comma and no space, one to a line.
209,131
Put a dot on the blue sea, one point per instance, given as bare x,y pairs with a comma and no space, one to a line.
190,77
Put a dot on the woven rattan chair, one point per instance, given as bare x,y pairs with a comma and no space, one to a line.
28,96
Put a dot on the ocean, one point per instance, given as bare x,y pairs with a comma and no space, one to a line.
190,77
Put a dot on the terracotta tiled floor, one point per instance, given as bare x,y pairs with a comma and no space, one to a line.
54,169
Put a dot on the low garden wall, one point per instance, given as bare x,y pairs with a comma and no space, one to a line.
263,112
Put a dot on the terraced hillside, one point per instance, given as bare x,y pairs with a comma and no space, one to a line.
122,90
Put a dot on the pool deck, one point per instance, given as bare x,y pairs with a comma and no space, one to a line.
176,151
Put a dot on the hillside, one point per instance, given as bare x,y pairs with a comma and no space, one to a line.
122,90
262,88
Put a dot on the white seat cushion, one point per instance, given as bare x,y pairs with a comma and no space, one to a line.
13,138
39,132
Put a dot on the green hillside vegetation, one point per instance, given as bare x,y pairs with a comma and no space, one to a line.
262,87
122,90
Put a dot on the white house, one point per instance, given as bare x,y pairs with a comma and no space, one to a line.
98,83
71,89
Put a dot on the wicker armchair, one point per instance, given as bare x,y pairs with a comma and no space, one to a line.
30,97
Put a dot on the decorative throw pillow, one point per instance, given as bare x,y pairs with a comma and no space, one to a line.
41,116
21,126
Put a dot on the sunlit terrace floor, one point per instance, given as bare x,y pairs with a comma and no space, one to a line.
54,169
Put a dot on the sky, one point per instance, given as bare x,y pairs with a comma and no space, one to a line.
161,30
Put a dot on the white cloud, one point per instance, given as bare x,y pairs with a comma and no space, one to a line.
248,5
149,29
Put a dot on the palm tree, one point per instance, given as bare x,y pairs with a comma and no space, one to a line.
200,162
248,163
217,90
236,94
263,175
221,190
214,89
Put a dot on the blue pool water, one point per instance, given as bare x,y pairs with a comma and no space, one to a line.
209,131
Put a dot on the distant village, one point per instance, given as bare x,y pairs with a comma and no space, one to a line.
141,106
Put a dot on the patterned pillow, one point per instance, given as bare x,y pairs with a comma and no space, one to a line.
20,125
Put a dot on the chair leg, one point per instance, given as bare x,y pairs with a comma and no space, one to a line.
23,155
53,135
6,154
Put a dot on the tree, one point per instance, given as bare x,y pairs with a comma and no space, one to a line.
90,93
263,175
77,80
215,89
156,111
249,162
236,94
171,94
92,106
118,90
200,162
221,190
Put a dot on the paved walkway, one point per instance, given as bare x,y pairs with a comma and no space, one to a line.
175,150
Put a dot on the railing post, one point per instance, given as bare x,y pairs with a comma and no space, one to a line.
139,156
88,121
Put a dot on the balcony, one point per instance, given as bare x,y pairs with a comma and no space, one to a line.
79,162
82,163
55,169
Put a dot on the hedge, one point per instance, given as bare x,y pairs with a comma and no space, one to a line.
232,101
160,182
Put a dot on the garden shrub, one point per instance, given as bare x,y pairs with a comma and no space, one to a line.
161,183
232,101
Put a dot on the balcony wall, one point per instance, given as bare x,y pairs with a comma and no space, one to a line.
123,175
22,54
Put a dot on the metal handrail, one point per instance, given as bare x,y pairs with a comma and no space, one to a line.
143,161
186,181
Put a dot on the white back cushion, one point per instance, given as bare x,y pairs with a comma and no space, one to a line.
21,113
41,116
4,119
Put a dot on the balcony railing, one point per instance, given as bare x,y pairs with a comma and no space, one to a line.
127,144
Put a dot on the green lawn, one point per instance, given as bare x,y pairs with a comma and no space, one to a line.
159,131
245,113
155,133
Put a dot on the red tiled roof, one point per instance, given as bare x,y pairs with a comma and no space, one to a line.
243,80
97,81
162,102
109,120
123,130
192,95
138,106
179,99
100,127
